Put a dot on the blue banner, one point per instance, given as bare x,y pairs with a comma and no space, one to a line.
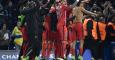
9,55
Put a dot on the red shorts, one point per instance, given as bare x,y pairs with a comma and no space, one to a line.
48,35
76,32
44,37
52,36
71,36
61,32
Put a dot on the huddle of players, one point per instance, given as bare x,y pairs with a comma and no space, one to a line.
66,31
79,33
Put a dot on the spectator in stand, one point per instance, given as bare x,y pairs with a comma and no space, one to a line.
1,15
88,4
4,38
108,11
